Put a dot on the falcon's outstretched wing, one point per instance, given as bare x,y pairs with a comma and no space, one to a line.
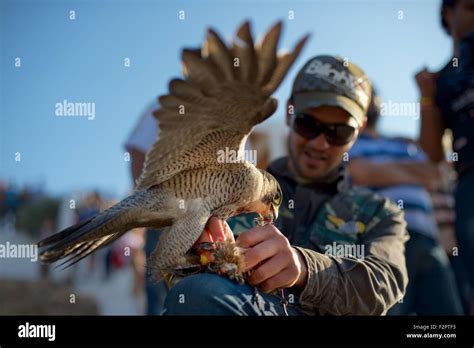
225,92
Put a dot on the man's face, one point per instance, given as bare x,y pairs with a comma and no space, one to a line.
316,158
460,19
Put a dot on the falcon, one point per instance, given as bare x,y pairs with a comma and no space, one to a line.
225,92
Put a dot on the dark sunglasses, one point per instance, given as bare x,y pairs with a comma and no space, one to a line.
309,128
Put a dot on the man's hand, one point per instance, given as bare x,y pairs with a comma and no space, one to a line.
432,125
216,230
273,262
426,82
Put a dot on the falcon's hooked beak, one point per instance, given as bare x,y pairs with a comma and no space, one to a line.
270,215
274,211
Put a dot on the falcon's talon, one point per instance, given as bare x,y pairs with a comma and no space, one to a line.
223,258
203,246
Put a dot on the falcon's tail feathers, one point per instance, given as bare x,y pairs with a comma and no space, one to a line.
78,241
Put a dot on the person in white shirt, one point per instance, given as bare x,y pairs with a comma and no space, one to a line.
138,143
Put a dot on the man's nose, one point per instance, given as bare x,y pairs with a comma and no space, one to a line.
319,143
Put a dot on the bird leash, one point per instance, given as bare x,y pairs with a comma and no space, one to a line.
283,301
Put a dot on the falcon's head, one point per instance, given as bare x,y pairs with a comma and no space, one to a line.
271,198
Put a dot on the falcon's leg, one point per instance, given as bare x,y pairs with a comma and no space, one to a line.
178,239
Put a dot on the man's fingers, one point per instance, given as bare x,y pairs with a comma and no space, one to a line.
259,253
205,237
281,280
219,230
228,234
255,235
216,230
269,269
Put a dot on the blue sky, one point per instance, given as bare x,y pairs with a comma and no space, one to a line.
82,61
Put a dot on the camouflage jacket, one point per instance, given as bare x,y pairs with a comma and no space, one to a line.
352,239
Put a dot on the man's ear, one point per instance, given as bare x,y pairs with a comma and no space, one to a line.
290,110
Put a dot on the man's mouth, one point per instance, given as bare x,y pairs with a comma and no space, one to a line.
314,158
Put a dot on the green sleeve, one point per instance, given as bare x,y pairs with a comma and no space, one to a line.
242,222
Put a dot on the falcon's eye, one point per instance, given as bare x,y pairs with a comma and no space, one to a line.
277,198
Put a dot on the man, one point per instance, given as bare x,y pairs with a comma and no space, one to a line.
397,168
447,101
320,213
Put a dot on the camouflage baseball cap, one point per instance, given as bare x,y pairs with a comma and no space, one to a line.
328,80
